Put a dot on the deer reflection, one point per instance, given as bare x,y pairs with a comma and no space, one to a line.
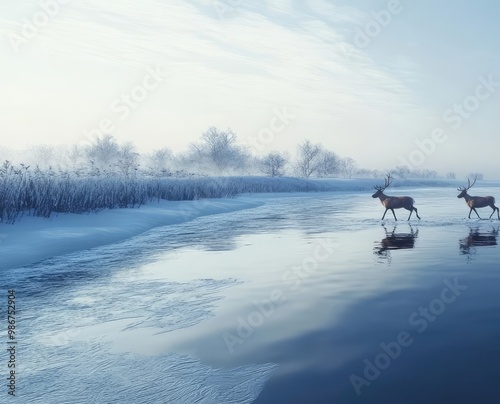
478,238
395,241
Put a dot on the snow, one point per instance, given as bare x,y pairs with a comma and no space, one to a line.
33,239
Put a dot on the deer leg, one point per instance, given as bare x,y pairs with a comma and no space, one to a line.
416,212
385,213
476,213
394,215
411,211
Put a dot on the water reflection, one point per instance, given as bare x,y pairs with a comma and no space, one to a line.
478,238
211,233
395,241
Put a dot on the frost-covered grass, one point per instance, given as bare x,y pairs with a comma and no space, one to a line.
37,193
24,191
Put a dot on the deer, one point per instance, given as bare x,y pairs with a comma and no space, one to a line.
394,202
474,202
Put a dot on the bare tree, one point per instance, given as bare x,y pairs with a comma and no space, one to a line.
76,158
103,153
477,176
127,159
219,149
308,158
328,164
367,173
43,155
428,174
159,162
273,164
402,172
347,167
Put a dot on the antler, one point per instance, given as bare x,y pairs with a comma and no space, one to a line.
468,186
387,182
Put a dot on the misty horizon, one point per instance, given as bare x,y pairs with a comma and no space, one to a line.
362,78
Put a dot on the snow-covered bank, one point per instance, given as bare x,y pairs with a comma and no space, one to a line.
34,239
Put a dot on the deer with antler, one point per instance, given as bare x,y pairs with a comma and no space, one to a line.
394,202
474,202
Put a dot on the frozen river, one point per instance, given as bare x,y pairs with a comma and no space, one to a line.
307,298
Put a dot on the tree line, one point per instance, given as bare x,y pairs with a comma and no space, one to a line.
217,152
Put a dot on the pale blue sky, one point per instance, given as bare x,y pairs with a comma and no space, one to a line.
232,63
